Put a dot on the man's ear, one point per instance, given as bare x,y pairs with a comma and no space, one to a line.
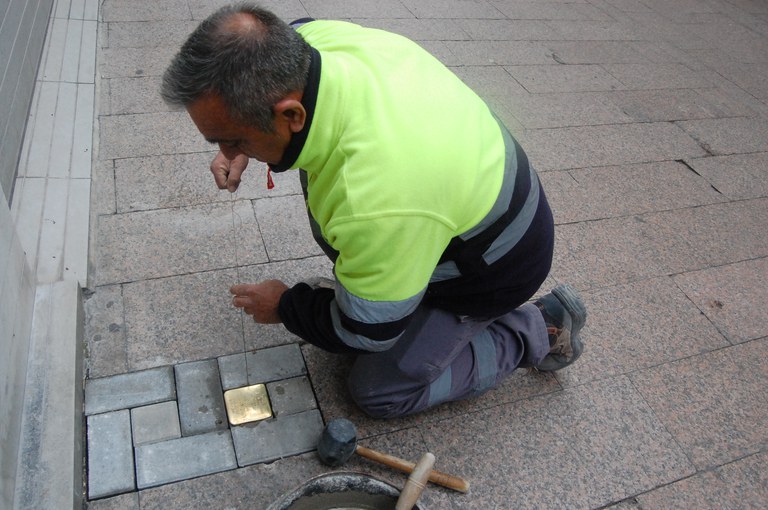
292,112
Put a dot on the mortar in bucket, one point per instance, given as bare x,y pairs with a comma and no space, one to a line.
341,491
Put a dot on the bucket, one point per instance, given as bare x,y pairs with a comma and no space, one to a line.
341,491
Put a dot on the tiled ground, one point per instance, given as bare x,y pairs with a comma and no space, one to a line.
648,123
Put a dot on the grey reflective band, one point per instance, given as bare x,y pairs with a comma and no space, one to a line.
440,389
375,312
484,349
358,341
518,227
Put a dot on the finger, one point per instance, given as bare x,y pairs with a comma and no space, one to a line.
220,170
240,290
236,168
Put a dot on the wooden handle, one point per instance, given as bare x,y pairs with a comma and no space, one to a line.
416,482
438,477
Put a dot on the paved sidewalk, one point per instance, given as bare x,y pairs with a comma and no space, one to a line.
648,123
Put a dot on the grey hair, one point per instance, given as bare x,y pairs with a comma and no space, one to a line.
250,66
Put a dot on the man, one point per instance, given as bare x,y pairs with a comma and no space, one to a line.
438,226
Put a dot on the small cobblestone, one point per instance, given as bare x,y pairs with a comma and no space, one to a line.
129,390
110,454
283,436
275,363
291,396
154,423
200,397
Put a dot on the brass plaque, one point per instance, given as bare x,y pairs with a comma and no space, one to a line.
247,404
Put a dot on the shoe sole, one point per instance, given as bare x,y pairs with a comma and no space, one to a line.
570,299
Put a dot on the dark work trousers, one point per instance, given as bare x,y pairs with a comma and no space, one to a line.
442,357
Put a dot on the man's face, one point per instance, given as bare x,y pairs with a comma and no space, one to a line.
209,113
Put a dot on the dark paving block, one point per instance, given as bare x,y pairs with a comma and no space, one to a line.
110,454
153,244
164,327
183,458
738,176
154,423
291,396
639,325
581,448
729,298
200,397
275,363
286,435
740,484
233,371
129,390
713,404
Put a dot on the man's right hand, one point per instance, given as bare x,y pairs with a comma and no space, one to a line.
227,172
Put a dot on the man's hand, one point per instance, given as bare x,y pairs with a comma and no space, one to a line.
260,300
227,172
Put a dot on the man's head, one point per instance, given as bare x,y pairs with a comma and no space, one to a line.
248,63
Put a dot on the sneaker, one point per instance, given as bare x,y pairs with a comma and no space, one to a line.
564,314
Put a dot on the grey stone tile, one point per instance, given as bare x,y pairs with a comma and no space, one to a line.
259,336
275,363
452,9
135,62
291,396
483,53
255,486
728,297
564,78
133,95
579,147
592,30
110,454
336,9
148,134
328,373
424,29
161,33
189,182
600,442
288,10
531,9
165,242
489,81
166,326
122,502
713,235
594,52
105,332
712,403
639,325
741,484
183,458
441,51
155,423
103,187
129,390
144,10
537,111
200,397
233,371
657,76
286,435
608,192
282,219
729,136
681,104
738,176
506,29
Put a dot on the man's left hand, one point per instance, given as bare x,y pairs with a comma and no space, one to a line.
260,300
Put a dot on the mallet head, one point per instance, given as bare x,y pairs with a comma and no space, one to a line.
337,442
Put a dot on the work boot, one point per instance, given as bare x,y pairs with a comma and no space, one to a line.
564,314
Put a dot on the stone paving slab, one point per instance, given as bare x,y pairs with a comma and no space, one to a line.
286,435
738,176
200,397
291,396
129,390
110,454
282,217
155,423
274,363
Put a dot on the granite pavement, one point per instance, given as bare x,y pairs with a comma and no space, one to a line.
648,123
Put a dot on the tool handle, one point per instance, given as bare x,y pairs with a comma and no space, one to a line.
416,482
452,482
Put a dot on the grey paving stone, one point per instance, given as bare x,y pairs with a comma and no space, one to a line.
425,29
233,371
129,390
164,329
275,363
536,111
200,397
657,76
505,29
145,10
110,454
105,332
128,501
167,32
738,176
184,458
282,218
452,9
730,136
564,78
594,52
531,9
499,52
135,246
287,10
283,436
133,95
156,422
338,9
135,62
291,396
148,134
670,105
